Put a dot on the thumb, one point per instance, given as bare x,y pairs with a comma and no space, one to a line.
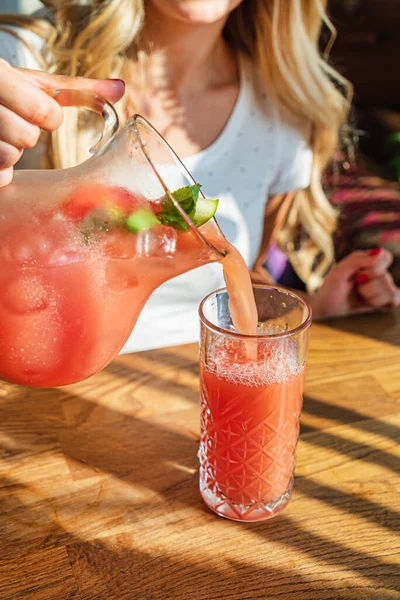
111,89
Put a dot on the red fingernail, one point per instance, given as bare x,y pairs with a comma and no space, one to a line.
374,251
361,278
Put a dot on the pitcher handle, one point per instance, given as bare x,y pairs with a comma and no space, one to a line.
97,104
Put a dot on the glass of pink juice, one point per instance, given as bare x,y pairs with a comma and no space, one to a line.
251,400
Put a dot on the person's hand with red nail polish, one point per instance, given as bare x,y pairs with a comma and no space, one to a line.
360,282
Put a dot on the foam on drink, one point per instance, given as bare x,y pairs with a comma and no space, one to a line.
274,362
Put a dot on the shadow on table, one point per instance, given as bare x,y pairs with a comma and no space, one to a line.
103,571
141,451
162,362
119,567
159,457
346,416
145,454
384,327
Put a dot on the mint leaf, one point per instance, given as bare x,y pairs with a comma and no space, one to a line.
187,198
187,194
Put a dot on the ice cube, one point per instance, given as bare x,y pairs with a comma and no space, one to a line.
25,293
159,242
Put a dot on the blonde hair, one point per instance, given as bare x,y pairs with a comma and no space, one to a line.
103,38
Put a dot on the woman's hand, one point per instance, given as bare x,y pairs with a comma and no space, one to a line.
25,108
359,283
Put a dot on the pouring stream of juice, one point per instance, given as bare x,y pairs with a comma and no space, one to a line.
241,298
239,287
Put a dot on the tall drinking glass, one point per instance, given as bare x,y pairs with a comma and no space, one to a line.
251,400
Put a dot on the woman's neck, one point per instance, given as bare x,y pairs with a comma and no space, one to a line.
187,58
187,83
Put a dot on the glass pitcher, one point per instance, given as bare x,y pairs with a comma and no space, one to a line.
83,248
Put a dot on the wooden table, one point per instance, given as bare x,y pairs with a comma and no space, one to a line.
99,495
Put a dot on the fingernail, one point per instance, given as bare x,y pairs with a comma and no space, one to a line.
374,251
361,278
117,80
6,176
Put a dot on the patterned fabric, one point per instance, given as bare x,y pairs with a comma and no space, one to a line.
369,217
369,212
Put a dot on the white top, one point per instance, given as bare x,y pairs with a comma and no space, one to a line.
256,155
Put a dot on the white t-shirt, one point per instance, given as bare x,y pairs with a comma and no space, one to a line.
257,154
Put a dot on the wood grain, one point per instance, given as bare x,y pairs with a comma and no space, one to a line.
99,497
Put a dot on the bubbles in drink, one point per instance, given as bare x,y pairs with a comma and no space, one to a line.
276,361
35,347
271,328
25,293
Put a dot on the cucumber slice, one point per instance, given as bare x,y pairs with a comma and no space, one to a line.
141,220
205,210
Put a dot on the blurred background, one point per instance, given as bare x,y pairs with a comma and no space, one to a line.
22,6
367,49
